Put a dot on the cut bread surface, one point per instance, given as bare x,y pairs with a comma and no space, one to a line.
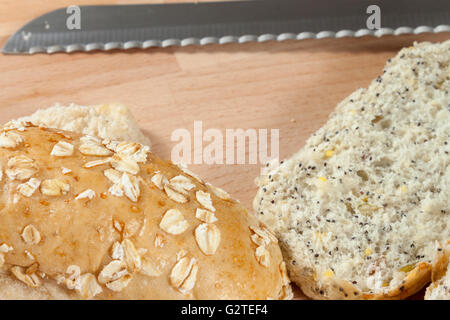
358,209
107,121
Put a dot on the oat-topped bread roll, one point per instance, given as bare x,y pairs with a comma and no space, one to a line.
108,121
82,217
359,208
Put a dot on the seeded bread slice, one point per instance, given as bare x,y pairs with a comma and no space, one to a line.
358,209
439,289
107,121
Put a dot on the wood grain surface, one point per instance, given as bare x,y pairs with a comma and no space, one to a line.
291,86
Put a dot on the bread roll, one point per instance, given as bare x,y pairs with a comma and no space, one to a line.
82,217
358,209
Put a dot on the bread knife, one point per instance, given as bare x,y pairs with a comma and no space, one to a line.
109,27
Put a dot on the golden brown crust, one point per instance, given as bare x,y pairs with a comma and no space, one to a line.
73,219
413,283
334,288
441,261
440,267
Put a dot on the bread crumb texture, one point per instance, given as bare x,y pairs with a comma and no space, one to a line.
358,209
112,121
83,217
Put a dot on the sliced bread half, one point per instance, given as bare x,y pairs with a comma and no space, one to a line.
358,209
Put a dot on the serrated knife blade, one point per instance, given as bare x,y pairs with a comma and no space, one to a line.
110,27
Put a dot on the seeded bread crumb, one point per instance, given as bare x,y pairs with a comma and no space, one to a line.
359,208
106,121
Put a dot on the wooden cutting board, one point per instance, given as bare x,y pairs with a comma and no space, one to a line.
291,86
